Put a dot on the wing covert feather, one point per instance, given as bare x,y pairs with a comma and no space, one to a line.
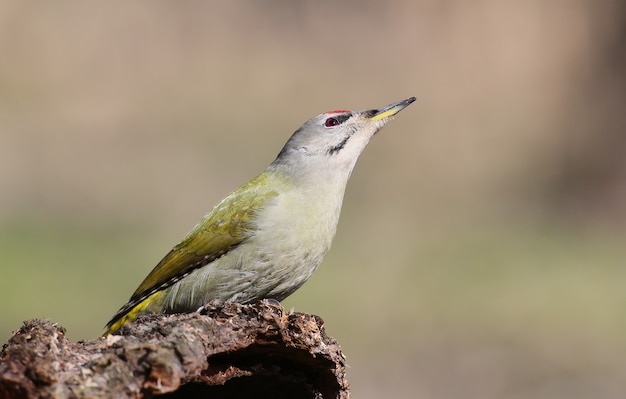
223,229
230,223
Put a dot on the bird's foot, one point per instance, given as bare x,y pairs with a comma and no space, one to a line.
272,302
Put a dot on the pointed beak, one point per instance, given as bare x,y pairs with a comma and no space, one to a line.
390,110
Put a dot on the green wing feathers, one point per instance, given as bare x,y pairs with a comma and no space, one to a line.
220,231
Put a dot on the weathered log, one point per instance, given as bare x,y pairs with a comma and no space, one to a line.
228,351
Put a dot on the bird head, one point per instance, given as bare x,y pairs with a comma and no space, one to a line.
334,140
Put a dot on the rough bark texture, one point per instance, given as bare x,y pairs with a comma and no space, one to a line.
230,351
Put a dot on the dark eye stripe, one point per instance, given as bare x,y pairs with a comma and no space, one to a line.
337,119
343,117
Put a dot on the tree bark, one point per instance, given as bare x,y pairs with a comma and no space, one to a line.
224,351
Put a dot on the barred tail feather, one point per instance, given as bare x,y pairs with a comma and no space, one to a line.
129,313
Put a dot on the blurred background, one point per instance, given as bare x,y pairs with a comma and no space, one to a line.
481,248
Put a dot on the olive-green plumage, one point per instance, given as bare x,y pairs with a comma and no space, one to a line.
266,238
220,231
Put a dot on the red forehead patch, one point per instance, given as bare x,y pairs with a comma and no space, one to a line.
338,111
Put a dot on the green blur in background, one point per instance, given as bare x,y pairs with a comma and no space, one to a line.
481,251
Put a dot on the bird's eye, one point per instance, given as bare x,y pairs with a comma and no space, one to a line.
330,122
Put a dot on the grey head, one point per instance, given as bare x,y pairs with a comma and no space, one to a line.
331,142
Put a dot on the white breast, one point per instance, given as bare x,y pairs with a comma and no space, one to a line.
293,235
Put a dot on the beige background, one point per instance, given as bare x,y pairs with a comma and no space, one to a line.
481,248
